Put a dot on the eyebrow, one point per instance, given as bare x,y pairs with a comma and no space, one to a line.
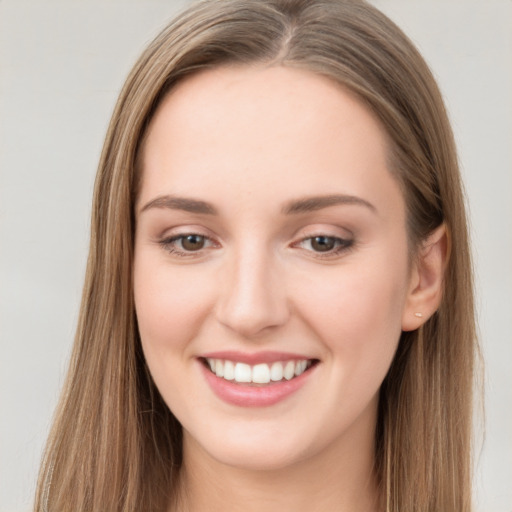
294,207
314,203
181,203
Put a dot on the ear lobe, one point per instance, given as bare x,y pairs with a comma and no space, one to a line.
427,277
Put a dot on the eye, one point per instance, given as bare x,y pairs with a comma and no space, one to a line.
325,245
192,242
187,244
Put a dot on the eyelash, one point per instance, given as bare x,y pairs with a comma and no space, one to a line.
169,245
342,245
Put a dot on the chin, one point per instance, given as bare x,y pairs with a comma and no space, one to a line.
267,452
251,459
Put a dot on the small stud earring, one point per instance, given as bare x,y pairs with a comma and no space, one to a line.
419,315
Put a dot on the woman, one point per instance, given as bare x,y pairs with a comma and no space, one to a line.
278,306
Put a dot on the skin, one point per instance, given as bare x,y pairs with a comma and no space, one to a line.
248,141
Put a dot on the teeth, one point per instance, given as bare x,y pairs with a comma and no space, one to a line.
219,367
300,367
261,374
258,374
243,372
289,370
229,370
276,372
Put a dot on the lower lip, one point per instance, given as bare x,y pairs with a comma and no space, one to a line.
244,395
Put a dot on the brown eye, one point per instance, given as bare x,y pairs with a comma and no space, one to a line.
324,246
323,243
188,245
192,242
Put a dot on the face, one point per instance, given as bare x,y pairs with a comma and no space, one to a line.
271,268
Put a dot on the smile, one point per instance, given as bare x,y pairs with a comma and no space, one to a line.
262,373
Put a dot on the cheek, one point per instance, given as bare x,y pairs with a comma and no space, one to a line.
170,304
357,312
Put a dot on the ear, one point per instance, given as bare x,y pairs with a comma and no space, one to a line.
426,281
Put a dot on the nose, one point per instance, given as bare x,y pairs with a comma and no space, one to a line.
252,294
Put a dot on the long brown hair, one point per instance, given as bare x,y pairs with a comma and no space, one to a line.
115,446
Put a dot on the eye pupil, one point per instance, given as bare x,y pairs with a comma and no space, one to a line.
323,243
192,242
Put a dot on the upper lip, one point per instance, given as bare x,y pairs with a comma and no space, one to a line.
256,357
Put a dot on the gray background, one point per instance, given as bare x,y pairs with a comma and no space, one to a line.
62,64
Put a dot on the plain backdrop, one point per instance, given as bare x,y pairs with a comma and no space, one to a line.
62,64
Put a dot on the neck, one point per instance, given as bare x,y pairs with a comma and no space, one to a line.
339,479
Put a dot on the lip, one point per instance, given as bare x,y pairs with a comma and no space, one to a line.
245,395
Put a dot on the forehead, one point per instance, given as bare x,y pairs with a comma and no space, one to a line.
273,130
249,96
